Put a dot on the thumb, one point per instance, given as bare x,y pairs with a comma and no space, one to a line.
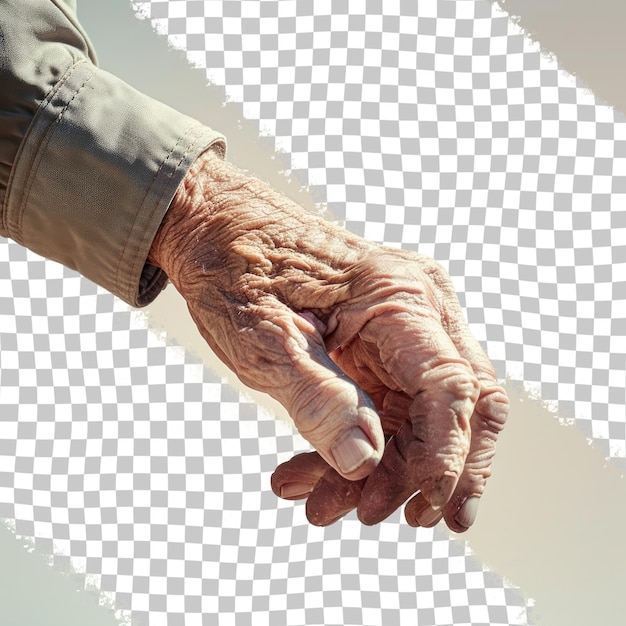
290,362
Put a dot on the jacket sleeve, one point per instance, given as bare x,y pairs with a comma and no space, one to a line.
88,165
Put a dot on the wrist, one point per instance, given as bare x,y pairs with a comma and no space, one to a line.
223,221
208,184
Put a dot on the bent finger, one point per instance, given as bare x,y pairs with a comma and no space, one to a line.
488,419
329,495
333,497
296,478
430,451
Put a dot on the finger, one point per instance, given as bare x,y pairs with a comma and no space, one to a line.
489,416
296,478
406,466
329,495
418,512
429,452
488,419
282,353
461,511
333,497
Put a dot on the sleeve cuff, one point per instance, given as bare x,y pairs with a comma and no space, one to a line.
94,176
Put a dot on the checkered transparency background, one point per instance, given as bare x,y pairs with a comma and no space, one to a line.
446,132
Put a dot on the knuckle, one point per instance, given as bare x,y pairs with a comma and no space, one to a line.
489,419
438,274
457,380
493,409
451,388
477,468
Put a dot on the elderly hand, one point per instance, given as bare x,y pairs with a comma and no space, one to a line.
350,337
418,362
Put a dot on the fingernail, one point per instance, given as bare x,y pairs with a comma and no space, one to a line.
467,513
352,450
293,491
442,491
321,521
429,517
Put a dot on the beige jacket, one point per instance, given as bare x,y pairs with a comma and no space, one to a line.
88,165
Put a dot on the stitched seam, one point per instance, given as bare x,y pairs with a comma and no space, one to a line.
179,141
190,148
8,227
39,154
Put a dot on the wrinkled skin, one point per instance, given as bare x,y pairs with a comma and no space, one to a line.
352,338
